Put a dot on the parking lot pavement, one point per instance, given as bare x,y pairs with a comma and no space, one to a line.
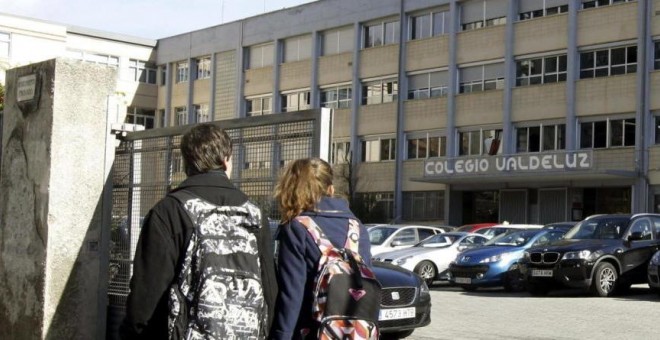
496,314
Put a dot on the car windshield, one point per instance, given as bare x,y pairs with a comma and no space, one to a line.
438,240
514,238
598,229
378,235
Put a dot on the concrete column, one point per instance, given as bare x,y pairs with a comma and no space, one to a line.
452,88
400,128
57,147
314,92
509,79
277,61
573,64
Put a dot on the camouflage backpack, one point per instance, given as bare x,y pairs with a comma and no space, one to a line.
346,292
218,292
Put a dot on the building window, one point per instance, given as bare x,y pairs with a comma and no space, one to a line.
428,85
383,33
181,113
379,91
608,62
298,48
541,138
257,156
607,133
542,12
203,68
295,101
202,113
480,142
657,55
337,97
481,78
141,116
94,58
481,13
429,25
338,41
428,146
423,205
258,106
163,75
142,71
181,71
341,152
541,70
261,55
374,207
383,149
5,44
600,3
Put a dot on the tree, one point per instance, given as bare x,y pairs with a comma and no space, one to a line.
365,207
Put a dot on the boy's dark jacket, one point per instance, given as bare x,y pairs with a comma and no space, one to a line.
298,258
163,240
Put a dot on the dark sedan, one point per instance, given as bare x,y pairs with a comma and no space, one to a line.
405,301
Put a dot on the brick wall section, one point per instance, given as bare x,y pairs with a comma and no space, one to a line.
655,88
415,169
427,53
335,69
226,85
379,61
532,35
425,114
471,44
615,94
179,95
295,75
607,24
539,102
479,108
377,119
258,81
341,126
614,159
376,176
162,91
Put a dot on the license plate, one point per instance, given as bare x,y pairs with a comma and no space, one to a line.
541,273
396,313
465,280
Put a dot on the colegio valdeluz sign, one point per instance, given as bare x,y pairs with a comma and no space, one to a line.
576,160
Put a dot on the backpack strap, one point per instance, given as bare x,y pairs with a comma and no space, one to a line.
317,234
353,236
182,196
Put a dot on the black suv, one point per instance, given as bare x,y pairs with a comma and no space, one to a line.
604,253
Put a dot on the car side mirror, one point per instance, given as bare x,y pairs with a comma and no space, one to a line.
396,243
635,236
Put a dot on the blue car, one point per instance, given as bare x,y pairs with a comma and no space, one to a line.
496,263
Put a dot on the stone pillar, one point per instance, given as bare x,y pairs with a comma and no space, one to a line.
56,145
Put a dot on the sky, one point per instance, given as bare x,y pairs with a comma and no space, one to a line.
151,19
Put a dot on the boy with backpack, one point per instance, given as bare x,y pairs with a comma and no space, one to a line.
204,266
327,287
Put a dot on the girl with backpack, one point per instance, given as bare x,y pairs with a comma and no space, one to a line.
310,216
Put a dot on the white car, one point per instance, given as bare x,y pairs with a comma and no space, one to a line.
430,258
499,229
387,237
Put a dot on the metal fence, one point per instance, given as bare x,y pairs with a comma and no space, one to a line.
148,164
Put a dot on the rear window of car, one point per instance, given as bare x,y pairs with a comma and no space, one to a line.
378,235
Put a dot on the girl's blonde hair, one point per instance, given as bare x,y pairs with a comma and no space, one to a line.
301,186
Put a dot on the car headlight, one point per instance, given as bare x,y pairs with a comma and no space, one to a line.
492,259
656,258
401,261
424,289
582,255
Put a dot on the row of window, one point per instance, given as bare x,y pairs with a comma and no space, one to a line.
608,133
202,114
202,70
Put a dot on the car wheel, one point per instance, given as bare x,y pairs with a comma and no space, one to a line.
537,289
513,281
605,280
396,335
426,270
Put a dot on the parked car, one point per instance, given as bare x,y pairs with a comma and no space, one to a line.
604,254
496,263
430,258
405,301
499,229
398,236
654,272
471,228
566,226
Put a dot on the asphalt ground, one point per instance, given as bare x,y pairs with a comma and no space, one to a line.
566,314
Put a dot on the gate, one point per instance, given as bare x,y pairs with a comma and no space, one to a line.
148,164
